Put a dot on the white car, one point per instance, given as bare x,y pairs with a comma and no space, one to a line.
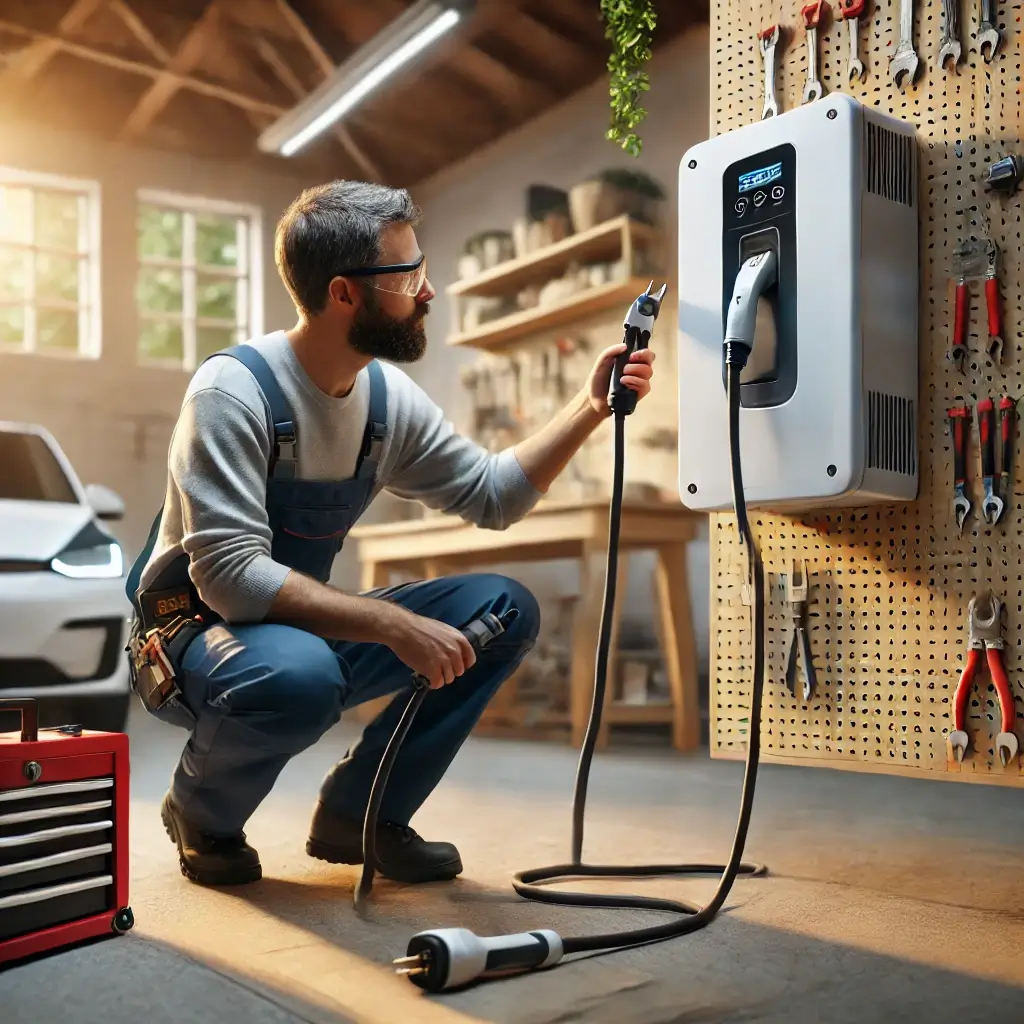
64,614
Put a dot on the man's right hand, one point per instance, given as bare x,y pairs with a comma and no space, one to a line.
438,652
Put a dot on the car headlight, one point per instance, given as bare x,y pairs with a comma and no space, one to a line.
99,561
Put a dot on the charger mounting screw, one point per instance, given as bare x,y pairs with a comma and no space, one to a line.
692,164
831,115
692,488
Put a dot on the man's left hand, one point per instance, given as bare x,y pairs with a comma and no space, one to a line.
636,376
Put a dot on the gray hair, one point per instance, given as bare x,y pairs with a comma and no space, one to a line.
331,228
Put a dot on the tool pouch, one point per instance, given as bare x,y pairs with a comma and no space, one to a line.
155,657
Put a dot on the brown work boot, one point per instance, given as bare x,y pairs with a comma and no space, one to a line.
402,854
206,859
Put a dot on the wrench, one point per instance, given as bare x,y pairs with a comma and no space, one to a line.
812,12
903,65
853,11
950,39
992,507
769,39
959,425
988,34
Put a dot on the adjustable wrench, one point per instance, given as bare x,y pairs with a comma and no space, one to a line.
988,34
992,506
853,11
903,65
769,39
950,34
812,14
959,425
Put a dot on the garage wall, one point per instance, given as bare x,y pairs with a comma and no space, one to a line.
112,416
561,148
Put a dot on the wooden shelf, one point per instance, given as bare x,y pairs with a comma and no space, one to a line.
607,242
585,303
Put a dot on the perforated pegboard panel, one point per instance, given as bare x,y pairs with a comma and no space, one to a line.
890,585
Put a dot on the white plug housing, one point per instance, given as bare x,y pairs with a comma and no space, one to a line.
830,392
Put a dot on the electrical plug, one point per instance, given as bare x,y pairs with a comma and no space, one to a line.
447,958
638,326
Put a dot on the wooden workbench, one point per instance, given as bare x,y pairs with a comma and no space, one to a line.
436,546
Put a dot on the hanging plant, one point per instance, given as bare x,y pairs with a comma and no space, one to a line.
629,25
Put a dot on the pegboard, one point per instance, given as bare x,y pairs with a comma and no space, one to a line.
890,585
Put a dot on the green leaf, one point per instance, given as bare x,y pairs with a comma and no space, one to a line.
629,25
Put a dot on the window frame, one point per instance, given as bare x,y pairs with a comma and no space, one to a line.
251,274
89,254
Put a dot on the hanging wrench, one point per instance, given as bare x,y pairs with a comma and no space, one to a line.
769,39
903,65
988,34
992,506
950,35
853,11
959,425
812,14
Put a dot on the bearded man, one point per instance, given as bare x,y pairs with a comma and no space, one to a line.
280,445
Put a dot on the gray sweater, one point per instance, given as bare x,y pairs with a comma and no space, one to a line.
217,467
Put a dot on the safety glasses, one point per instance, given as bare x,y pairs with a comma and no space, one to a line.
399,278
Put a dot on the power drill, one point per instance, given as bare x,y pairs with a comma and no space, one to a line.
637,330
480,632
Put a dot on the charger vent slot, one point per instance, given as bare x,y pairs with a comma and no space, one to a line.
892,434
888,163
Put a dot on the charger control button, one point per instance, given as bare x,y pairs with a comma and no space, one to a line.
759,198
777,193
741,205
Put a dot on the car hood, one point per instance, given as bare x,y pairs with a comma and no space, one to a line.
37,530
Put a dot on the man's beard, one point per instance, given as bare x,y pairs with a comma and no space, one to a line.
375,334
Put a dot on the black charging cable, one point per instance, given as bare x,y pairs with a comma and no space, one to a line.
447,958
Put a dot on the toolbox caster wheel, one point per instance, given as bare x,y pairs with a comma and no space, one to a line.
124,921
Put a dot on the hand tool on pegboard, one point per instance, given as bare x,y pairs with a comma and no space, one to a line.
768,39
975,260
853,11
904,62
815,15
1007,424
796,596
984,625
988,35
1004,175
950,48
959,425
992,505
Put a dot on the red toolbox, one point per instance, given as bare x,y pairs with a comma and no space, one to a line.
63,835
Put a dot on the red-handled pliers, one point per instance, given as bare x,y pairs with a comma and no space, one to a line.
985,632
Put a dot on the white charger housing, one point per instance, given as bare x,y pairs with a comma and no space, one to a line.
829,396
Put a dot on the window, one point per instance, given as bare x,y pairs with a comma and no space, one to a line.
199,286
49,264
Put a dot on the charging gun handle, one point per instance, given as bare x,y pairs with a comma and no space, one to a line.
637,330
480,632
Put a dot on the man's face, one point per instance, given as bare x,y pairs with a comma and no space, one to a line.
388,324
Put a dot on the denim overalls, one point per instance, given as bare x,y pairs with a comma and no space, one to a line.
255,695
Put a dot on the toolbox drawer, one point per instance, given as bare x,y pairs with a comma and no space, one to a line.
54,769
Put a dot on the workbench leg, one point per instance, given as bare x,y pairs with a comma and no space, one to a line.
586,629
374,576
679,645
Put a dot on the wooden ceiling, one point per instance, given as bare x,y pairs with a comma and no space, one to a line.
207,76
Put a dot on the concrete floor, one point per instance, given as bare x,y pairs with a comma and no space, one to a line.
888,900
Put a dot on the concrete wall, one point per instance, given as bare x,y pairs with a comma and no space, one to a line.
560,148
112,416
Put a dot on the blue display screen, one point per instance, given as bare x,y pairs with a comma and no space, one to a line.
762,176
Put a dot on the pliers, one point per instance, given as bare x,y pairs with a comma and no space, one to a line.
985,633
800,642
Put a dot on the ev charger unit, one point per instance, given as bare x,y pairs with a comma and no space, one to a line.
829,393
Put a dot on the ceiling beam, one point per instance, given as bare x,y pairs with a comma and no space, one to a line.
23,66
137,27
185,58
113,60
326,67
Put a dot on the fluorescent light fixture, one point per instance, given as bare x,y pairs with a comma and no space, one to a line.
419,27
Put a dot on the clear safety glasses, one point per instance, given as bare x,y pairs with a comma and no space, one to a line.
399,278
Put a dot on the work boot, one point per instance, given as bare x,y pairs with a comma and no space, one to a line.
206,859
402,854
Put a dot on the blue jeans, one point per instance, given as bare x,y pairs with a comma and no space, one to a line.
257,695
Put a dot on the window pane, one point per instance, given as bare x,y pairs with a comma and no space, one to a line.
212,339
161,339
56,277
12,325
15,213
158,290
57,220
160,232
57,329
14,272
215,297
216,241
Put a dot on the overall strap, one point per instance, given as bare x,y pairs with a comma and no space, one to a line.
282,454
376,425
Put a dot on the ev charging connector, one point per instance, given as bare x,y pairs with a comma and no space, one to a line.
829,392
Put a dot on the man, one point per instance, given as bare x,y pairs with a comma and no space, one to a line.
278,449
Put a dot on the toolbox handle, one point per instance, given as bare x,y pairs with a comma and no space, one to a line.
29,709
